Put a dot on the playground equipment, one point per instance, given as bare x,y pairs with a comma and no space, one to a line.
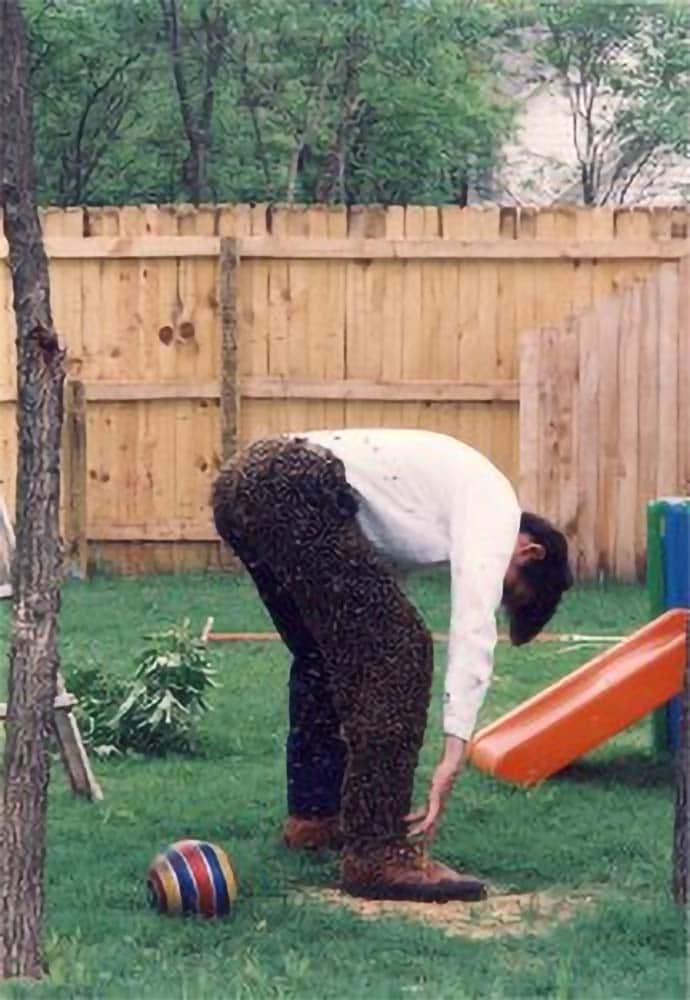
668,584
643,673
585,708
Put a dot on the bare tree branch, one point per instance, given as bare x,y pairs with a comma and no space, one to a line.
79,180
313,115
171,16
635,173
196,121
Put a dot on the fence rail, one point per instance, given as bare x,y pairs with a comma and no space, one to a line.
190,331
354,248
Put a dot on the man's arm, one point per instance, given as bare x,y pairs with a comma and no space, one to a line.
484,536
423,823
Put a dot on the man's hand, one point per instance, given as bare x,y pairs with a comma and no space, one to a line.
424,823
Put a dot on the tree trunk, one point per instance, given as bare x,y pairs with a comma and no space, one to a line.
37,563
194,169
681,840
587,178
461,191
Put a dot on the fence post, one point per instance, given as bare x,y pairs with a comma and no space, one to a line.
229,378
75,480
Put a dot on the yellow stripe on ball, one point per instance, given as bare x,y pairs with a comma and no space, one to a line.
226,868
173,899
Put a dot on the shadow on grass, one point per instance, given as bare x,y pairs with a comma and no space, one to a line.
637,770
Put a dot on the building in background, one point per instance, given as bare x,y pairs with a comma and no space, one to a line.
540,165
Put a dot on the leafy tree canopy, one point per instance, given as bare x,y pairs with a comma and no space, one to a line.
346,100
339,100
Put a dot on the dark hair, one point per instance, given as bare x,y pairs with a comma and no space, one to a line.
544,579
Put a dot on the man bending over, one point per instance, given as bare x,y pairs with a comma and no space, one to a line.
319,520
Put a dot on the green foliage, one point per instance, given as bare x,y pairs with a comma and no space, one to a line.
155,711
351,100
346,101
98,693
167,694
88,78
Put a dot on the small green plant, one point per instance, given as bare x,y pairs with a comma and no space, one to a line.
155,711
98,694
167,694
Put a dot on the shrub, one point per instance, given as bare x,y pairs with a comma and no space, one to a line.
153,712
98,695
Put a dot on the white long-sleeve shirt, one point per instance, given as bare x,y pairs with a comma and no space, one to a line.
426,499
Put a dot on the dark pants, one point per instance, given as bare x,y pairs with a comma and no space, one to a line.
361,677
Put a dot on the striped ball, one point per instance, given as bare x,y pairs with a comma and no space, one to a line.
192,876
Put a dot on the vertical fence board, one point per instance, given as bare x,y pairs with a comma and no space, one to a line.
295,222
635,224
530,373
414,346
198,347
66,300
230,397
254,315
604,275
446,415
588,397
199,342
469,225
487,228
624,563
325,350
334,316
609,402
392,312
141,472
74,463
363,353
683,324
648,395
549,436
547,309
101,291
667,469
568,426
504,419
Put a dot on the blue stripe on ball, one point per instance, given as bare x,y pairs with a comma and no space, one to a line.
185,880
218,879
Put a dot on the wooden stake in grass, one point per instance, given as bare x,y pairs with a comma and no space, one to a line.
37,563
6,550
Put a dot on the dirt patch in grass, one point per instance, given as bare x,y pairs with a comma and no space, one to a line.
513,914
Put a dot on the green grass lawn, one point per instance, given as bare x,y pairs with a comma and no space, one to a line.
603,829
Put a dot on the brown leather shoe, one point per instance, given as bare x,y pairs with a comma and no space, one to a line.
405,873
313,833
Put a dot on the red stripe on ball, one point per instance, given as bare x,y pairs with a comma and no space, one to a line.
202,878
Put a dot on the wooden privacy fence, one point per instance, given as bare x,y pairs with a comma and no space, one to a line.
192,330
605,418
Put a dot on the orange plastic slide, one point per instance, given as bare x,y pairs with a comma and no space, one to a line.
585,708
